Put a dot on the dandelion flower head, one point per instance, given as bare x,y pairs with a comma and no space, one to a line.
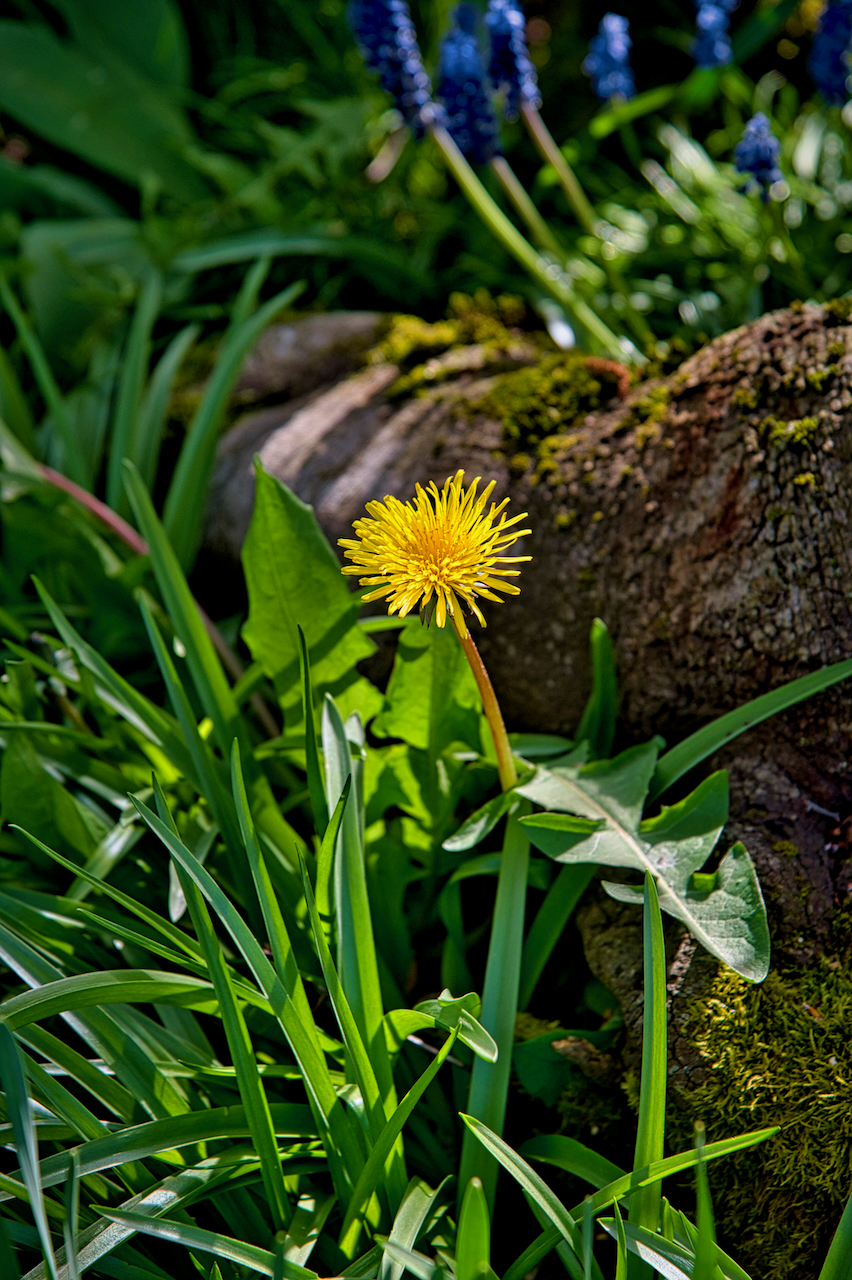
440,551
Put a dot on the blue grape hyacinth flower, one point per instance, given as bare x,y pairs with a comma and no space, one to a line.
712,44
387,40
470,120
829,60
757,155
608,60
510,67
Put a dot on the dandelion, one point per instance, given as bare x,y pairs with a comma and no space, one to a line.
470,117
757,154
829,60
440,549
608,61
510,67
438,552
388,42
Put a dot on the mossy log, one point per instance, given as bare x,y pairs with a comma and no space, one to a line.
705,516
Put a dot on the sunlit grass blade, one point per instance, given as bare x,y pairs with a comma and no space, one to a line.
134,370
473,1237
155,403
838,1261
572,1156
249,1082
412,1262
319,804
105,987
373,1170
245,1255
117,692
72,1214
489,1082
698,746
302,1039
705,1247
549,924
415,1208
621,1241
597,726
645,1205
588,1238
184,508
535,1187
18,1106
46,383
325,862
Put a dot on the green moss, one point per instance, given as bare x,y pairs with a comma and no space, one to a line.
777,1054
777,512
835,349
527,1027
839,309
532,403
564,519
807,480
786,848
817,378
782,434
745,398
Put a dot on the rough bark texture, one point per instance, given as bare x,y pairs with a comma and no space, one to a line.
705,518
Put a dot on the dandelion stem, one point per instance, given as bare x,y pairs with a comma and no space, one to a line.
491,707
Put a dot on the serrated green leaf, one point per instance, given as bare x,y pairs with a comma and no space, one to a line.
725,912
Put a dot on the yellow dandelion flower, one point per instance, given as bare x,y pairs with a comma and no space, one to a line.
439,549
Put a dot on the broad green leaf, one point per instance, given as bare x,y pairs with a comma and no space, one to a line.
597,727
475,828
294,580
723,910
432,698
473,1238
32,798
462,1012
104,113
150,37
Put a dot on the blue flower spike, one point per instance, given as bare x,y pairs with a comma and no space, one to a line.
470,122
757,155
387,41
608,61
510,68
829,60
712,44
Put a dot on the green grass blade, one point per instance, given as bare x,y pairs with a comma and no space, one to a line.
46,383
597,727
645,1205
549,924
316,787
573,1157
245,1255
8,1262
187,496
490,1082
652,1253
410,1217
155,404
473,1238
249,1082
203,663
588,1239
325,863
106,987
14,406
532,1184
698,746
534,1254
621,1241
245,303
705,1247
302,1038
134,370
17,1103
72,1215
838,1261
374,1169
355,1047
118,693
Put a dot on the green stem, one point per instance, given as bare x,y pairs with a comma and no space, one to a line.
544,273
549,151
517,193
491,707
489,1083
